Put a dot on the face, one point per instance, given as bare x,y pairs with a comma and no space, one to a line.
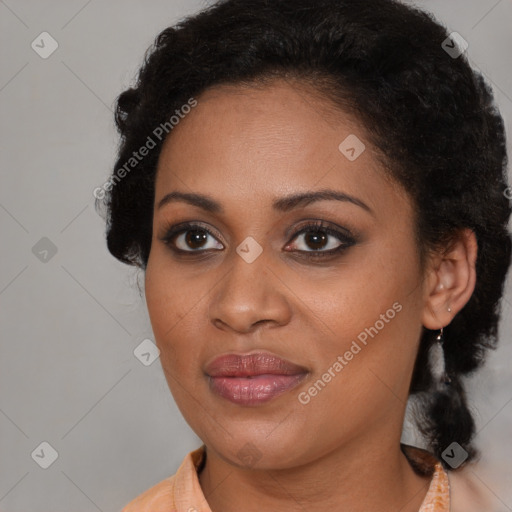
288,321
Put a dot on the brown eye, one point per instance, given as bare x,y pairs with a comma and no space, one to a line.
191,238
195,239
317,238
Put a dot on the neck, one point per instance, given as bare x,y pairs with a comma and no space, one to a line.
361,477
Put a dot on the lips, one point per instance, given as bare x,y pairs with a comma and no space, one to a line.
252,379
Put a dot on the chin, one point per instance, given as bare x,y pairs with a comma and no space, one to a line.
257,446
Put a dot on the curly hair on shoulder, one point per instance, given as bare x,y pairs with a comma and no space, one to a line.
432,117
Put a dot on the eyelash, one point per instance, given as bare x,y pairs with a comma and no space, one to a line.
315,226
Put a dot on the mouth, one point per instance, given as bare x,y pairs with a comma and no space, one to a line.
253,379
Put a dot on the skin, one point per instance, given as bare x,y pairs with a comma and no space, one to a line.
245,147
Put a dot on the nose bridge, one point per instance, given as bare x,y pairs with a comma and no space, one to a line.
249,292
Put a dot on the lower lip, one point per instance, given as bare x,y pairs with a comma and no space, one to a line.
255,390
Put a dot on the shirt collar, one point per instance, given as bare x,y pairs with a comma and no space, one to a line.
188,495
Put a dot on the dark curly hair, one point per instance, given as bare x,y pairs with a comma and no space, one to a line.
432,118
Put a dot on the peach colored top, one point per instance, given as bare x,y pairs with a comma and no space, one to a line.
182,492
438,494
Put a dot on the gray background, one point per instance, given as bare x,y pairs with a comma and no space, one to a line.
70,324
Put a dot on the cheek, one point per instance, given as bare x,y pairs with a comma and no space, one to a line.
170,295
177,302
369,314
376,281
172,308
169,304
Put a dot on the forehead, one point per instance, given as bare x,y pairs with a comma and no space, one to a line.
251,145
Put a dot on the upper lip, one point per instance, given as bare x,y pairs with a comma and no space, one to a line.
248,365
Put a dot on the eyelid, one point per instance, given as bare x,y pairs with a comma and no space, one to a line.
321,225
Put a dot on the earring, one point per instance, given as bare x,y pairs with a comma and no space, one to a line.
437,361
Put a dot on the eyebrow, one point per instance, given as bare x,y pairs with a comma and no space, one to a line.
283,204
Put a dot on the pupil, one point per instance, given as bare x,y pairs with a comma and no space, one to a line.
195,237
316,239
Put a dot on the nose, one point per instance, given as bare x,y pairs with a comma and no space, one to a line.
249,295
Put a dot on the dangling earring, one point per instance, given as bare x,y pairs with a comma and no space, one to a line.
437,361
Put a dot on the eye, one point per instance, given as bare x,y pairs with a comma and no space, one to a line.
191,238
315,239
320,240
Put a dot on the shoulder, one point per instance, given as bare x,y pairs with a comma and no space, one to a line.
175,491
467,492
158,498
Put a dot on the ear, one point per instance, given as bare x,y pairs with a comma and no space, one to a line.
450,280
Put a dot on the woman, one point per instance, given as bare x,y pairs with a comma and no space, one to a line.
316,192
